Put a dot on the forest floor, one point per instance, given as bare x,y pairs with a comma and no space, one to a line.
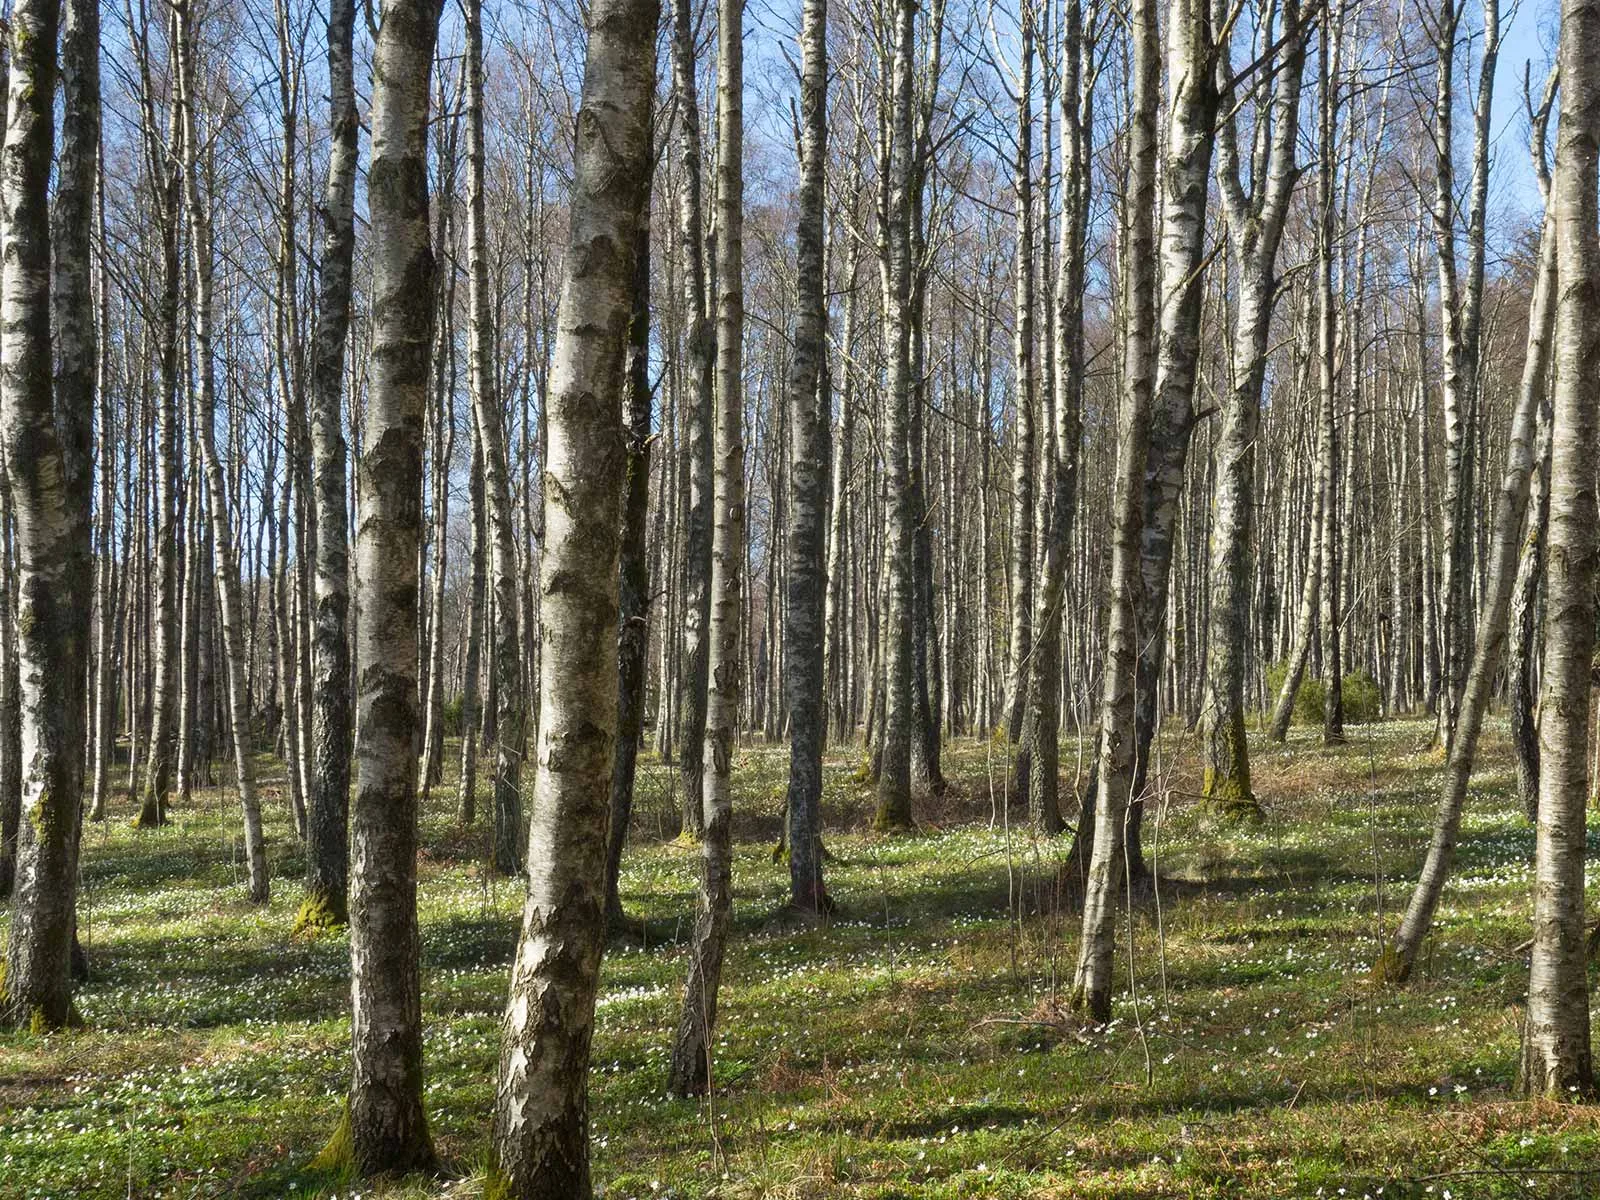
919,1046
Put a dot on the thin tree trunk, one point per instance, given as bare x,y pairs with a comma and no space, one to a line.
1510,509
328,806
1092,981
201,255
697,442
689,1072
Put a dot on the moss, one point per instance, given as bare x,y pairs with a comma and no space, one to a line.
497,1185
1389,970
892,820
319,913
338,1157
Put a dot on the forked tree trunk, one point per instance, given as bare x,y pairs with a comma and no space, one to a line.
541,1123
47,446
1255,226
1038,757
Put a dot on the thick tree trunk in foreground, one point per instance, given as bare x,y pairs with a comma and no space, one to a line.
46,445
689,1072
808,484
1557,1060
387,1127
328,806
1092,982
541,1124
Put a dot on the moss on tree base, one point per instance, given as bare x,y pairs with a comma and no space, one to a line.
319,912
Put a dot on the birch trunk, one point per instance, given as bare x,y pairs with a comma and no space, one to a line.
1557,1060
1092,980
1255,226
633,578
388,1130
507,674
689,1072
46,443
808,483
541,1124
328,806
202,262
1511,507
895,642
697,442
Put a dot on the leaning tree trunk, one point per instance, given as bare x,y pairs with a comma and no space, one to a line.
201,254
328,806
1556,1058
808,484
689,1072
1092,982
1510,508
388,1130
47,447
507,849
541,1123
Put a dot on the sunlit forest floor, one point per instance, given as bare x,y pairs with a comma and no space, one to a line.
920,1046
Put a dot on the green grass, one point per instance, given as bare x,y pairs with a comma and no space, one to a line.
918,1047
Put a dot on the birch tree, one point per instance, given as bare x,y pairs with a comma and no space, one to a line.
387,1128
328,806
808,483
1092,981
1557,1060
689,1072
541,1124
46,436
